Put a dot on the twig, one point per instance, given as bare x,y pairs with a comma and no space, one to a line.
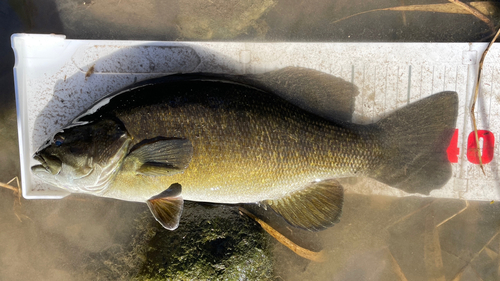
9,187
456,214
409,215
90,71
461,8
310,255
17,190
396,268
433,255
457,276
476,92
403,13
474,12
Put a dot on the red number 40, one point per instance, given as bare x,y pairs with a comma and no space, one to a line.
486,153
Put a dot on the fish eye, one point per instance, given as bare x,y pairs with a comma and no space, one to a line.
58,140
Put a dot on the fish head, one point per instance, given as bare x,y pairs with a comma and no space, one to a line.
84,156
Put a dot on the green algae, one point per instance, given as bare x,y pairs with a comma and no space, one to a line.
213,243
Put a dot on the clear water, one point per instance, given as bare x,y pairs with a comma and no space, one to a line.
378,238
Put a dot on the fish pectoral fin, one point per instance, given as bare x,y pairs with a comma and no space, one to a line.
167,206
157,169
161,156
314,208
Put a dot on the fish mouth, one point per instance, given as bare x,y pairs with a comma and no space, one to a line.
49,163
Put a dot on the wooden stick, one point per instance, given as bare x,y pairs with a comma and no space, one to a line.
403,13
456,214
476,92
439,8
305,253
474,12
8,187
395,266
459,274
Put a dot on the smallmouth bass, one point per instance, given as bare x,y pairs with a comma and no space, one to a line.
230,139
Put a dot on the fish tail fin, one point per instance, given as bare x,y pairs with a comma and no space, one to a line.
415,139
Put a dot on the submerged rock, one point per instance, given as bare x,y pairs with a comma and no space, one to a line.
213,242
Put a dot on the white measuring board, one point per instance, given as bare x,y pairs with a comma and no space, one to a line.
52,88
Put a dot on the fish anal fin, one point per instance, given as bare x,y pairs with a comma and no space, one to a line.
167,206
314,208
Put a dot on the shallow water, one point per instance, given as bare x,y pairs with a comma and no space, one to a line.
378,238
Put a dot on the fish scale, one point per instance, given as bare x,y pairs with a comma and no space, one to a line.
234,144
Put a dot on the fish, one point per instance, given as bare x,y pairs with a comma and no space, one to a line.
241,139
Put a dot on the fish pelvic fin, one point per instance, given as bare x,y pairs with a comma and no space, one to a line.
167,206
313,208
415,139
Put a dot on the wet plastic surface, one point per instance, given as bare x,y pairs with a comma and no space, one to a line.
49,68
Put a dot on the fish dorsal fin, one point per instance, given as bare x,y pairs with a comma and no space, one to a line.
316,207
167,206
160,156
